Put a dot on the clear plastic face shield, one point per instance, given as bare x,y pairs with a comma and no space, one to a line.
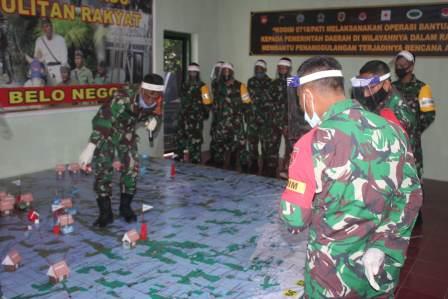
369,90
297,125
216,71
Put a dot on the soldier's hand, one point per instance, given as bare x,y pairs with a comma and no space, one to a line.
372,261
86,156
151,124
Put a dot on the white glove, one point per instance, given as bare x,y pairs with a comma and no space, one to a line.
151,125
86,156
372,261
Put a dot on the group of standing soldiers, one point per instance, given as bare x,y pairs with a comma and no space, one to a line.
244,117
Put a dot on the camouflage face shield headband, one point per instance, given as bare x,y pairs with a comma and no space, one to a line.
296,81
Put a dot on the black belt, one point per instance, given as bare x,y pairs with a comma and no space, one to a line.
53,63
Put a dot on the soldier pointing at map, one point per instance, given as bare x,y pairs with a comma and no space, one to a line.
114,139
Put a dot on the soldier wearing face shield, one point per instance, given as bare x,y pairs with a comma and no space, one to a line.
257,129
374,90
352,180
114,137
195,102
418,96
278,119
232,107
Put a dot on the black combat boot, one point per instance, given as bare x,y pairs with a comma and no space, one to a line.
106,216
125,208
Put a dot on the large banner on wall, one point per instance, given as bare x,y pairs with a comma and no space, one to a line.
421,29
72,51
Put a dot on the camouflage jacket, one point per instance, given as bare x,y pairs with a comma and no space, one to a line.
117,118
259,94
394,101
231,107
422,105
193,106
418,96
279,105
367,195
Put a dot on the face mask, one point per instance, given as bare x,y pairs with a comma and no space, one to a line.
259,75
227,77
314,121
143,105
401,73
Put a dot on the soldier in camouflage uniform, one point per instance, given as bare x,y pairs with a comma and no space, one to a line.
195,101
232,106
215,78
382,98
418,96
258,87
114,138
278,118
353,181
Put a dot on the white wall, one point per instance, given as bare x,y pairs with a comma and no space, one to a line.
233,35
197,17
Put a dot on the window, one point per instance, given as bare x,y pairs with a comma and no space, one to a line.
177,56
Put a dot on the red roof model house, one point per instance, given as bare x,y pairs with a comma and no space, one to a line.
130,239
74,168
7,204
12,261
58,272
60,169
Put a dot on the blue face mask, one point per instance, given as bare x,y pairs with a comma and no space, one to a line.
314,121
143,105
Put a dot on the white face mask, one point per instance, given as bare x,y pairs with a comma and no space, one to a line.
314,121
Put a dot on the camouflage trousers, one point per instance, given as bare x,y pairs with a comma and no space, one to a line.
270,146
342,276
228,140
189,137
103,160
253,139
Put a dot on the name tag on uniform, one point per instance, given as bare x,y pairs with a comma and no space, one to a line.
296,186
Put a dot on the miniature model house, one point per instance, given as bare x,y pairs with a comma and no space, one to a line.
58,272
130,239
12,261
7,205
74,168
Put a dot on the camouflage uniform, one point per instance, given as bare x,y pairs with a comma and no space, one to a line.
256,125
231,109
115,138
423,108
394,101
367,196
213,149
276,113
195,101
